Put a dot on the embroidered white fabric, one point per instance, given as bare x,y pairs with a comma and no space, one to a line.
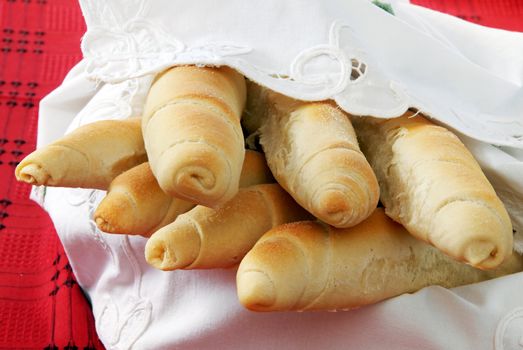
370,62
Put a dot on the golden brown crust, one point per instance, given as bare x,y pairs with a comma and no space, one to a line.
432,185
88,157
135,204
192,132
255,170
311,266
213,238
312,151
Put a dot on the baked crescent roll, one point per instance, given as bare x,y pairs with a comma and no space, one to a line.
312,266
313,153
206,238
91,156
192,132
136,205
432,185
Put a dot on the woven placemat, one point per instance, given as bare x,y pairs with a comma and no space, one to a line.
41,305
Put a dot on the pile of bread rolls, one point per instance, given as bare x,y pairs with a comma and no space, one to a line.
331,212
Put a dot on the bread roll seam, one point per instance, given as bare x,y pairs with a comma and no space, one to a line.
224,111
268,279
217,149
298,172
198,229
327,232
296,244
268,204
453,200
83,154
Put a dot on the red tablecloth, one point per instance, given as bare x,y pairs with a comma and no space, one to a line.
505,14
41,305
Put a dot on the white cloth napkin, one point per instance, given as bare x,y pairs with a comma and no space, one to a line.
352,51
464,75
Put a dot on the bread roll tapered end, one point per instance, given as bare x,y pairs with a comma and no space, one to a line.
32,174
116,214
175,246
186,171
160,257
53,165
273,275
88,157
433,185
465,230
256,290
336,207
324,171
481,253
345,193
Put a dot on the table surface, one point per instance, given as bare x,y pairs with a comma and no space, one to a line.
41,305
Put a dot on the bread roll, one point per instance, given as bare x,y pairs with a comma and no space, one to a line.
89,157
313,153
312,266
255,170
212,238
136,205
192,132
256,107
432,185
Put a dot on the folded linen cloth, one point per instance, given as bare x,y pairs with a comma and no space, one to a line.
368,60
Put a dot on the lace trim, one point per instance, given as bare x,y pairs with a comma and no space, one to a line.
137,47
123,47
121,43
117,50
509,332
490,128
